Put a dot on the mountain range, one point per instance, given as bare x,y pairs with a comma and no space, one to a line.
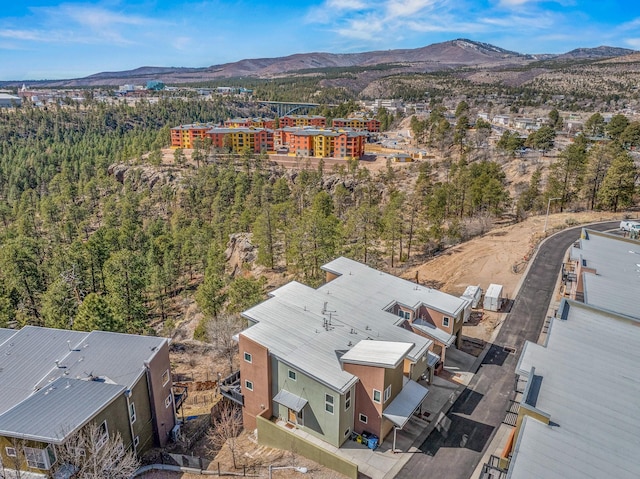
450,55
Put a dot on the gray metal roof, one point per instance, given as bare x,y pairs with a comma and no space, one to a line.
5,334
378,289
385,354
616,260
405,403
33,358
589,374
290,400
118,357
310,329
57,411
27,357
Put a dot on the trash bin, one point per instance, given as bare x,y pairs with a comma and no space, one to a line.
372,442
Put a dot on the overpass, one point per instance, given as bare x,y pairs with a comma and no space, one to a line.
282,108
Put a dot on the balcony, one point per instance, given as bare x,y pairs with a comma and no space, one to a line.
230,388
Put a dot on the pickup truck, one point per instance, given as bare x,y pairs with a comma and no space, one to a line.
626,225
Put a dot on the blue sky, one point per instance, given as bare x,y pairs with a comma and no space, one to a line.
41,39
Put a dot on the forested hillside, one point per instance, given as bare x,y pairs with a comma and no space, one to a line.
81,250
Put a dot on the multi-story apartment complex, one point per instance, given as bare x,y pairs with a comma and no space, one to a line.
184,136
303,120
305,142
55,382
358,123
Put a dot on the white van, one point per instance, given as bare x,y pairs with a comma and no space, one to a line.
629,225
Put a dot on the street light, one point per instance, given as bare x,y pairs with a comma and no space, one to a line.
301,470
546,218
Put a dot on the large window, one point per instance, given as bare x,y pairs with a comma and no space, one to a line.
328,403
248,384
445,322
39,458
132,412
347,400
103,435
387,393
165,378
247,357
376,395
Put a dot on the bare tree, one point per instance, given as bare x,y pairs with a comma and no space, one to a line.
227,425
220,332
93,454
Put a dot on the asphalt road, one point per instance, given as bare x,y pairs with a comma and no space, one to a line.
481,408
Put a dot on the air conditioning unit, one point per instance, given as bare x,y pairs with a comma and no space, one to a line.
175,433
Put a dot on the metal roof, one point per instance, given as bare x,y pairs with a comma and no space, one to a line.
385,354
33,359
57,411
5,334
616,260
290,400
589,384
378,289
405,403
27,357
310,329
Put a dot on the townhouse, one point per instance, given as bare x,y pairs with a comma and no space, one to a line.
350,356
578,414
55,382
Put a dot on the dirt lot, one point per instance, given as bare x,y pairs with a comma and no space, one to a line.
492,258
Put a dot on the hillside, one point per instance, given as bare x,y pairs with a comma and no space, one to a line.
445,56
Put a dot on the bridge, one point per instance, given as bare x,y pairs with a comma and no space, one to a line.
282,108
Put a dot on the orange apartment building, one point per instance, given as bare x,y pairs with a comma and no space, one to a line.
269,123
303,120
357,124
184,136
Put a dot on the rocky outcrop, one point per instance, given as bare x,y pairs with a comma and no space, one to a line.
240,251
146,176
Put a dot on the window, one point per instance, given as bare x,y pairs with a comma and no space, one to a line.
346,433
136,441
328,403
362,418
376,395
445,322
167,401
11,451
247,357
104,435
248,384
347,400
132,412
292,375
165,378
37,458
387,393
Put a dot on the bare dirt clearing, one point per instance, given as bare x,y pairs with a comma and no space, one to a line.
491,258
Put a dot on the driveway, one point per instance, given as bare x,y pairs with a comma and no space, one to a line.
480,409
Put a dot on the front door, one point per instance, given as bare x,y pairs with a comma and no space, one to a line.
292,416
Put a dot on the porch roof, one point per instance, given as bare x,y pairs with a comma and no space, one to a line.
290,400
401,408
